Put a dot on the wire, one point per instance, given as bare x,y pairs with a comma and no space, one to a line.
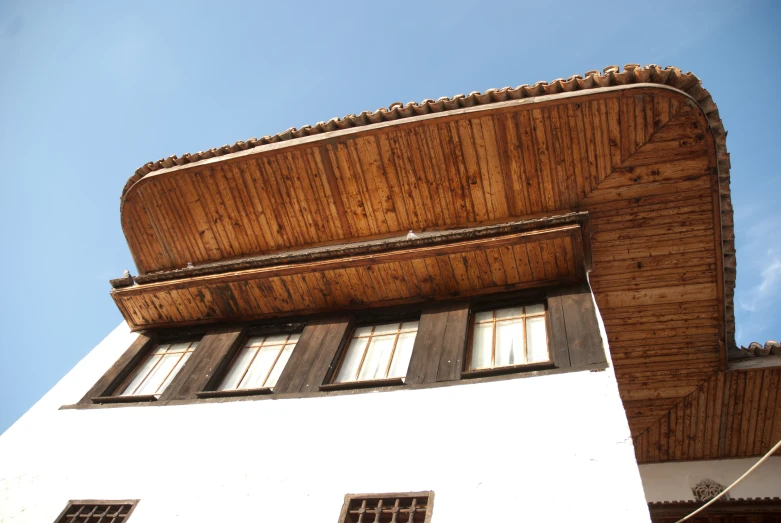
741,478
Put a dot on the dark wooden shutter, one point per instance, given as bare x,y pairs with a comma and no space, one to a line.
582,327
557,335
207,364
438,353
315,355
121,369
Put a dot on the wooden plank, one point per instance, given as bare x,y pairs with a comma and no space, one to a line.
454,158
439,172
580,321
207,365
702,411
576,153
533,187
428,347
508,147
771,411
557,331
462,132
747,401
491,167
451,359
326,354
737,425
314,355
542,156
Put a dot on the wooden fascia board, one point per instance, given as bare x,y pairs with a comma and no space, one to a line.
395,243
572,232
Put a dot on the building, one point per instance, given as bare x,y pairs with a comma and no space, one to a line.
508,305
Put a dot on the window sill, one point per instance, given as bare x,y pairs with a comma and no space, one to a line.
233,392
388,382
124,399
511,369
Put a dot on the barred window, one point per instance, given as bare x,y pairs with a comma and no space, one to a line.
411,507
97,511
158,369
377,352
508,337
259,362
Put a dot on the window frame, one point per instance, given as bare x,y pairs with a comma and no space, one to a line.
106,390
396,315
210,389
428,495
477,307
168,340
62,516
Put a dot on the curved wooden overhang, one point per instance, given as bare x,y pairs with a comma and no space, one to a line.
642,151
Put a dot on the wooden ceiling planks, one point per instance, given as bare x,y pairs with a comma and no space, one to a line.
735,413
525,160
656,259
486,265
641,161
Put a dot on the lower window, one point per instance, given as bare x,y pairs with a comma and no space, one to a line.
409,507
97,511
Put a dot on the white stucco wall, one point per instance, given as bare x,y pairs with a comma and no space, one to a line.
674,481
552,448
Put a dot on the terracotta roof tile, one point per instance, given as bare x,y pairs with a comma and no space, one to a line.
757,349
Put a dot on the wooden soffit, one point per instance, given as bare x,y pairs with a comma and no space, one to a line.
455,168
514,256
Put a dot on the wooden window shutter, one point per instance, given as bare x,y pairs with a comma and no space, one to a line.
315,355
206,365
438,354
582,328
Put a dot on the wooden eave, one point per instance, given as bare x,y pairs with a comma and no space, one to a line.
486,260
642,151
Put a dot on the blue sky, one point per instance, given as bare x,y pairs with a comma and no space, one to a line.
89,92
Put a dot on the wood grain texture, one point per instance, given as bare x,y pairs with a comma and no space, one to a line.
208,363
315,354
452,171
357,282
735,413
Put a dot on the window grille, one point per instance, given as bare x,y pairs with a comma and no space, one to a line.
377,352
259,362
158,369
414,507
96,512
508,337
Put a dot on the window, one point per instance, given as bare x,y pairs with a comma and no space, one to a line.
158,369
96,512
259,362
509,337
378,352
412,507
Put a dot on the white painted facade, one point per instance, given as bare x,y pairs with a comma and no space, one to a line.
674,481
538,449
